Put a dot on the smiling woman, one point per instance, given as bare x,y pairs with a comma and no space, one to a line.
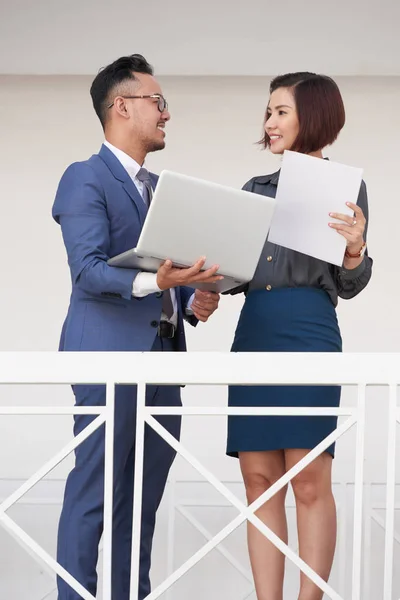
290,307
305,113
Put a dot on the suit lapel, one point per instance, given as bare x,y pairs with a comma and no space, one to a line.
154,179
122,175
134,194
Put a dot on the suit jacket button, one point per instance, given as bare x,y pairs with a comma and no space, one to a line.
159,294
154,323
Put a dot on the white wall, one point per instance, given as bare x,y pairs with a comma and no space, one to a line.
201,38
47,123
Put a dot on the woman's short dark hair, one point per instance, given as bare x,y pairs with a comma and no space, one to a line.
319,106
111,77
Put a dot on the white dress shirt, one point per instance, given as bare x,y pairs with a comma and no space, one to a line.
145,283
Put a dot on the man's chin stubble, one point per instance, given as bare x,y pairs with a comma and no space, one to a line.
156,146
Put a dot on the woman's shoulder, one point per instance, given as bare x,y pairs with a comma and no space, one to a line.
262,180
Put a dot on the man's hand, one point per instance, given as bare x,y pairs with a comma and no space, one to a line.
204,304
170,277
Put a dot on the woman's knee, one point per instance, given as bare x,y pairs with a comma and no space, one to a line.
259,476
311,485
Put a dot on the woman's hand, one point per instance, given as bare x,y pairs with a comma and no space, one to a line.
352,229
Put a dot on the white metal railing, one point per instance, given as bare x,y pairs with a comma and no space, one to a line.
182,496
359,370
191,500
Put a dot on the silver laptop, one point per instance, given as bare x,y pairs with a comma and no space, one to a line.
189,218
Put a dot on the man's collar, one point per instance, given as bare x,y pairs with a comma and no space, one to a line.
129,164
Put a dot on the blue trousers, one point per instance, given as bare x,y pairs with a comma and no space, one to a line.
81,521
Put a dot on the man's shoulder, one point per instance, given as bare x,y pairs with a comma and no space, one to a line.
89,169
90,163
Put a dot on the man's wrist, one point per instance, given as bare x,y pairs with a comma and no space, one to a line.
144,284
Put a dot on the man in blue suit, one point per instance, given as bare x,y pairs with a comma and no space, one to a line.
101,206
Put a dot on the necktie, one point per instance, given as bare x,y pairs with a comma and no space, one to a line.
144,176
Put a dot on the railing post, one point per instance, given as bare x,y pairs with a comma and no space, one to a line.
138,489
342,529
390,492
171,532
367,541
358,494
108,490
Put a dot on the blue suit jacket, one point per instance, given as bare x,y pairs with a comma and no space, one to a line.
101,214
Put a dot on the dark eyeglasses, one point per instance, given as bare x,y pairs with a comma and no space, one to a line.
162,103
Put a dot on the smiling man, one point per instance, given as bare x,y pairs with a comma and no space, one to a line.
101,205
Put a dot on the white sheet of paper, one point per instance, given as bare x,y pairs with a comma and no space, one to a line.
308,190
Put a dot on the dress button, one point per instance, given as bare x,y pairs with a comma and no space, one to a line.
159,294
154,323
269,259
269,288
